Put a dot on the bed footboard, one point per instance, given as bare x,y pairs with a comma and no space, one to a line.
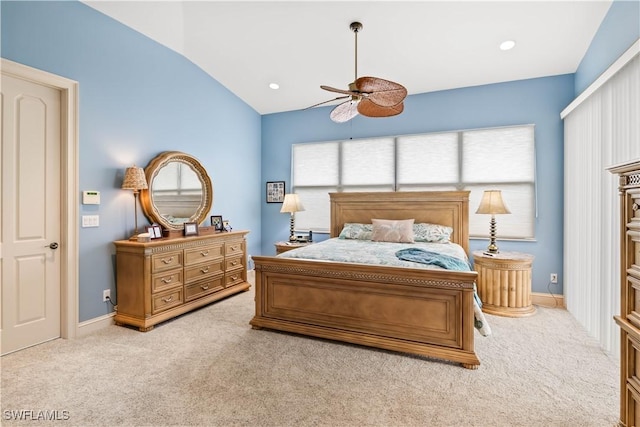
418,311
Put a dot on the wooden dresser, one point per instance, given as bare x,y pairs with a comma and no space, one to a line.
629,318
164,278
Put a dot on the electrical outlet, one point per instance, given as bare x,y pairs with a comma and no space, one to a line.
553,278
106,295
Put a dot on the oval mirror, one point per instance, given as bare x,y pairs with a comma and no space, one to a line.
179,190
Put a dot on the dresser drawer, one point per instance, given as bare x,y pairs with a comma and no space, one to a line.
234,247
233,278
166,280
202,271
234,263
203,287
166,261
166,300
203,254
633,406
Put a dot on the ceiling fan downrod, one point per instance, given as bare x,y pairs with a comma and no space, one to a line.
356,27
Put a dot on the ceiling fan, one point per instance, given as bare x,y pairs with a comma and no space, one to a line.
369,96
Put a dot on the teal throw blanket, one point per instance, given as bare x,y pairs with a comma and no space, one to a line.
433,258
445,261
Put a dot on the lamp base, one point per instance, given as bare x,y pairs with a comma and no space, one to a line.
292,224
492,249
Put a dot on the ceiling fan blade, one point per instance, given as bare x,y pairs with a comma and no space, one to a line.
345,111
371,109
383,92
333,89
325,102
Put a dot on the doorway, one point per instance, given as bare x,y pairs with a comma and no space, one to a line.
39,205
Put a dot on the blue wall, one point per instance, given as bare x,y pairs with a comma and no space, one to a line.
618,31
535,101
137,98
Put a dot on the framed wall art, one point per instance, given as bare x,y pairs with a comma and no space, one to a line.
275,191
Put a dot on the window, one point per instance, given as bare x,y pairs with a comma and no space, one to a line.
474,160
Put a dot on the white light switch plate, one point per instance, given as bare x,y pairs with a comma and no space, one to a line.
90,221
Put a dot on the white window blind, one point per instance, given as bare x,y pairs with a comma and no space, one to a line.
600,130
503,159
368,162
474,160
430,158
316,164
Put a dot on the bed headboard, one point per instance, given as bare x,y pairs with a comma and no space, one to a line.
449,208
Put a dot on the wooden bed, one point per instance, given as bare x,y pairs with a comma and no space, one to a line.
420,311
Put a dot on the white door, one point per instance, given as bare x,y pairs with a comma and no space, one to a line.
30,214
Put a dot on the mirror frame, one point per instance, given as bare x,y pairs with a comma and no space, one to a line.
152,169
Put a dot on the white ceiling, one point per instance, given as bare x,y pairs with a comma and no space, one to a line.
424,45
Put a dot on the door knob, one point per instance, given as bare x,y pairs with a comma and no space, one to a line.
53,245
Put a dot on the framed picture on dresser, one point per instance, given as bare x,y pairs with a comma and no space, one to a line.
190,228
216,222
155,232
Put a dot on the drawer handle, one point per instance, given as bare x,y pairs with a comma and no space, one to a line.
167,280
234,248
168,299
204,270
204,287
167,261
234,277
234,262
205,253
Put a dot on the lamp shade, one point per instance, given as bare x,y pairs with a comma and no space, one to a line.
492,203
291,204
134,179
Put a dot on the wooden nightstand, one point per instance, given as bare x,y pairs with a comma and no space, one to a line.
287,246
504,283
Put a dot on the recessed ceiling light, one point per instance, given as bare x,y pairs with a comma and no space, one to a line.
507,45
274,86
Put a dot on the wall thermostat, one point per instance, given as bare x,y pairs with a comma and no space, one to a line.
90,197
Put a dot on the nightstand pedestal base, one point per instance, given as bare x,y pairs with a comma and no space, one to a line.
504,283
509,311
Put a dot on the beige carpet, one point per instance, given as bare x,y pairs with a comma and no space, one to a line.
209,368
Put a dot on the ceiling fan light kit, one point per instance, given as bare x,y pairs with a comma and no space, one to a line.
368,96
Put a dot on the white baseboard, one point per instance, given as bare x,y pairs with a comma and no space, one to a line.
548,300
92,325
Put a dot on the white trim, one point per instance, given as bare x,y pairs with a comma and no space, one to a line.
69,187
93,325
623,60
